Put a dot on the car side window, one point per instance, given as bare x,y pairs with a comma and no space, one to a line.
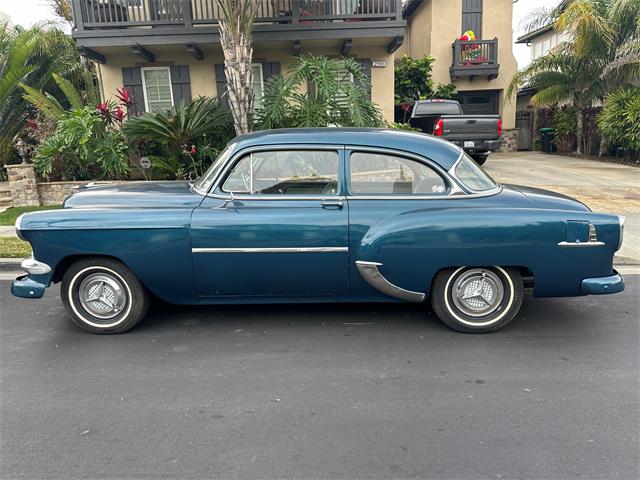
285,172
380,173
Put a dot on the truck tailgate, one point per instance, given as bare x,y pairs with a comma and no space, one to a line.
470,127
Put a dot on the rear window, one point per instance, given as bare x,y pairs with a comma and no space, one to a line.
444,108
473,176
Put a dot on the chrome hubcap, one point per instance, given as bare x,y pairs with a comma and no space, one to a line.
102,295
478,292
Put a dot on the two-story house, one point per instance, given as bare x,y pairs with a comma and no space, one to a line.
481,69
168,50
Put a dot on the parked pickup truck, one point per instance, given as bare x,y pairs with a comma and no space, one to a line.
478,135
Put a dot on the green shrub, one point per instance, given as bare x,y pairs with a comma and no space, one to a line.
619,120
564,121
85,146
182,142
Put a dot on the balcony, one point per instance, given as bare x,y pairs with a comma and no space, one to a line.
106,23
475,59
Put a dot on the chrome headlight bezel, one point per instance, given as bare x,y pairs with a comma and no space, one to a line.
18,226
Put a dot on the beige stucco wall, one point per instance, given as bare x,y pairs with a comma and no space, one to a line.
202,73
437,23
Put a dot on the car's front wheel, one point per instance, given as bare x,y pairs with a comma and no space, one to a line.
103,296
477,299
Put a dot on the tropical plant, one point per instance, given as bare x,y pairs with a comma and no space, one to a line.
86,145
561,77
184,140
51,106
236,25
30,57
62,10
620,119
338,94
413,78
564,122
601,54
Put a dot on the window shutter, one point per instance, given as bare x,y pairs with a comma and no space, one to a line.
180,84
366,69
221,85
269,69
472,17
132,81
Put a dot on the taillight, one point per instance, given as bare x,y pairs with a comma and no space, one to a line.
438,128
499,127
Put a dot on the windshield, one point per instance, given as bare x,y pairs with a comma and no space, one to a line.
473,176
204,182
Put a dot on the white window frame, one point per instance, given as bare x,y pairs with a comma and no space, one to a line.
261,82
144,85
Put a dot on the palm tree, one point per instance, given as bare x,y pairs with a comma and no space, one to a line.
236,25
602,53
30,57
561,77
608,33
337,94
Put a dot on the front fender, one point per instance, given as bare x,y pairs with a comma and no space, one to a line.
153,243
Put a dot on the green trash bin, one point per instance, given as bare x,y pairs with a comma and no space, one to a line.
547,139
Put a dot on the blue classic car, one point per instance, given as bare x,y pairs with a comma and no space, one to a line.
321,215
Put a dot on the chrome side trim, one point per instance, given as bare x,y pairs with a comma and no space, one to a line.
371,274
272,250
580,244
488,193
34,267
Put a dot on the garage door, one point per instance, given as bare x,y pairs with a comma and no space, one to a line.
479,103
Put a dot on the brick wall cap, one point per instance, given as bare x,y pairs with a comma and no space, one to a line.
19,165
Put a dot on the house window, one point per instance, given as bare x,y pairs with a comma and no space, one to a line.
258,85
546,45
345,78
537,49
158,94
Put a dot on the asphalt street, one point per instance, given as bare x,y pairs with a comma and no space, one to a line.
322,391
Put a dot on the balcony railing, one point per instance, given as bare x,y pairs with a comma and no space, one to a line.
475,58
109,14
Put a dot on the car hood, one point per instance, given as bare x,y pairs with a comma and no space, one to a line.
546,199
135,195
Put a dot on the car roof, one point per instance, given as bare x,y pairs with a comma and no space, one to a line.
440,151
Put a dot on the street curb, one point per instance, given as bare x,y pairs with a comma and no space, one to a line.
10,264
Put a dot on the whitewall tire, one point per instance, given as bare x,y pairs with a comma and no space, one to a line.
477,299
103,296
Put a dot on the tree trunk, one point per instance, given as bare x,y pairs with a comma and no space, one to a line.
236,24
604,146
579,131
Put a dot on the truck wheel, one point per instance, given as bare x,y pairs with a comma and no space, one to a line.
477,299
103,296
480,158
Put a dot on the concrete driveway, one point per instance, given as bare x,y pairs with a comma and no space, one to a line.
604,187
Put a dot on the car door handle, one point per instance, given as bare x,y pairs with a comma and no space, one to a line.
337,204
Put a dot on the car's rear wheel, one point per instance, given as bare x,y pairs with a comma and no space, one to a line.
480,158
103,296
477,299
